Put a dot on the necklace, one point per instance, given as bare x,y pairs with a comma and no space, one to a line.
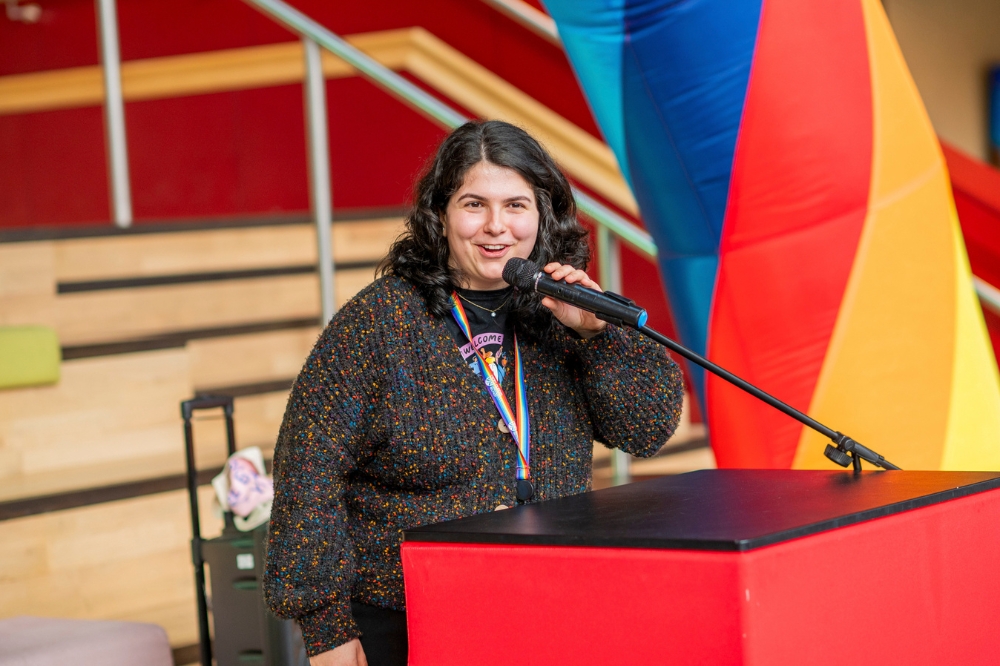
493,313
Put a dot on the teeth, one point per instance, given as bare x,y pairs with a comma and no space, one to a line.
494,247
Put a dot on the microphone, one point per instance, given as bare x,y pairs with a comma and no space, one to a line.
527,276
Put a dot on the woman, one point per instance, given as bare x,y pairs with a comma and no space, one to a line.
402,415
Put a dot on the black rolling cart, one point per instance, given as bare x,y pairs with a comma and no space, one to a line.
245,630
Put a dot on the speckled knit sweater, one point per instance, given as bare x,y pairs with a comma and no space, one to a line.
387,428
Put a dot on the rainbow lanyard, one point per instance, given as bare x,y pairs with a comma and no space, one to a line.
519,426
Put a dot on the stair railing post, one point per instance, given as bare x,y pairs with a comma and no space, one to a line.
610,277
320,188
114,114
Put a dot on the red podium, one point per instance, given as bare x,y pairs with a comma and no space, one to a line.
762,567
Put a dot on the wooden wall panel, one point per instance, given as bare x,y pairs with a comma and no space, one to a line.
212,250
27,284
677,463
56,89
54,482
127,560
257,419
347,283
176,253
115,419
367,240
134,313
117,314
137,434
105,411
249,359
260,418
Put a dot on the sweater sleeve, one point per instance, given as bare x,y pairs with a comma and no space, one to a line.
634,389
310,557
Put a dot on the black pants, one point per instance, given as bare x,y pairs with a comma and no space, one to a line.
383,634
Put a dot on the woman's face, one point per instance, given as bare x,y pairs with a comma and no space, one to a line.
492,217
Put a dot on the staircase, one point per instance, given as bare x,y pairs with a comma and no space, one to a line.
93,511
93,516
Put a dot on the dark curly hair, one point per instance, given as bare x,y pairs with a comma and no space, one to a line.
420,254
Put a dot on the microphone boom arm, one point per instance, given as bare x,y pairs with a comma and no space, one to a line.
846,451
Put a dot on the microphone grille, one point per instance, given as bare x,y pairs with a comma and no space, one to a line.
520,273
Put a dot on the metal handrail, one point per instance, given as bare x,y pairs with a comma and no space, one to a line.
434,108
988,294
538,22
382,76
635,236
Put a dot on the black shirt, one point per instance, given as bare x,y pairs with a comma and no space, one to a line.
492,329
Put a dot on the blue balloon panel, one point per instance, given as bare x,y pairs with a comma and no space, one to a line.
667,83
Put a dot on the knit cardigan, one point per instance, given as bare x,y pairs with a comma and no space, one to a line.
387,428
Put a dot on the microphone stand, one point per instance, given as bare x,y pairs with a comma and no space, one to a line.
844,451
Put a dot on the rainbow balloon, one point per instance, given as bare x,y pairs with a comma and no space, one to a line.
808,240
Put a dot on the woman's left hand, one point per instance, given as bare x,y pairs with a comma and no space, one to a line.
584,323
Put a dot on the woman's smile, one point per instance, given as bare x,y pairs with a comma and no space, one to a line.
494,250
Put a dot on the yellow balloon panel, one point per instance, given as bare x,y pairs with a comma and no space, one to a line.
888,376
972,442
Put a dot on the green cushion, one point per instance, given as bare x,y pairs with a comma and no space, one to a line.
29,356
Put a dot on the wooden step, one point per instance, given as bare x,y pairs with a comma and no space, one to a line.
63,283
127,560
103,411
116,418
249,359
121,314
213,250
115,410
257,420
108,315
27,284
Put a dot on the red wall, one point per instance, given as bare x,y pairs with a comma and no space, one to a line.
976,186
242,152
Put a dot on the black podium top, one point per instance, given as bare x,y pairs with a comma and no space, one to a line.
736,509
